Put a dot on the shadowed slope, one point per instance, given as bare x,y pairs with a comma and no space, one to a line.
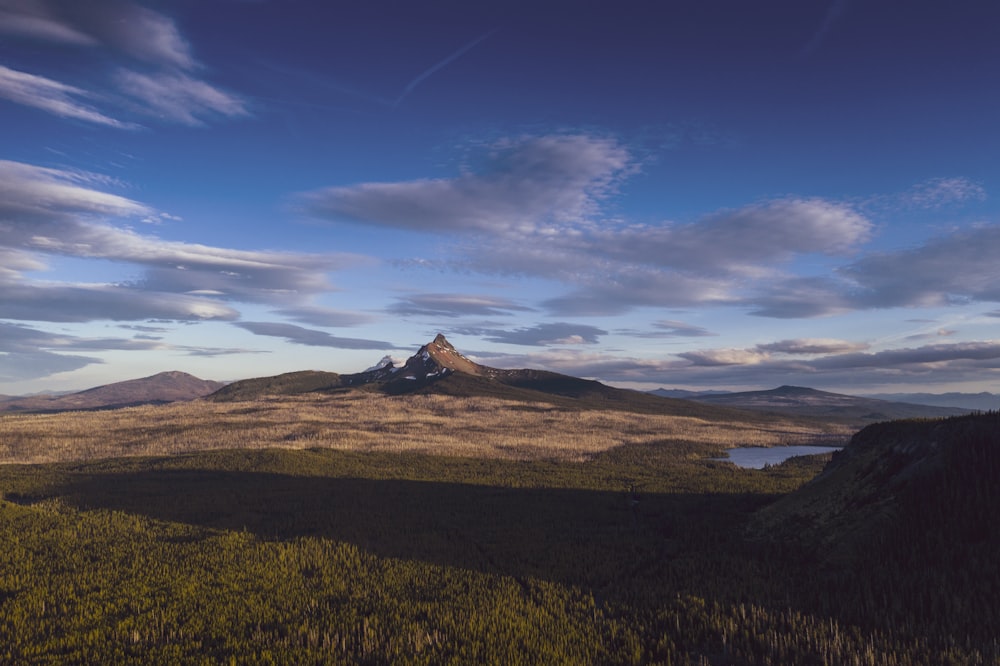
909,509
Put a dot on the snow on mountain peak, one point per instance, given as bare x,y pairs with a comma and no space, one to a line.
385,362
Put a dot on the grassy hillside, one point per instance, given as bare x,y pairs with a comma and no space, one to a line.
290,383
371,421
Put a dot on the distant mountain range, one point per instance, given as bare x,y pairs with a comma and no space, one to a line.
683,394
807,402
158,389
439,368
980,401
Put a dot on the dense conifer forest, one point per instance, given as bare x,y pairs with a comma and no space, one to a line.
644,553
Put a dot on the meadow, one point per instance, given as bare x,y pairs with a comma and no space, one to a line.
366,529
481,427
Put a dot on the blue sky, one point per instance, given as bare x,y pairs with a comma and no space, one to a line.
711,195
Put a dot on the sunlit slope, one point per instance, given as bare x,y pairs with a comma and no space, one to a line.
289,383
158,389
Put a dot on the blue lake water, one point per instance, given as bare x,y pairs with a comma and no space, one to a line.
755,457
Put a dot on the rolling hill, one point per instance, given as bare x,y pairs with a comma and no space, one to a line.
837,407
289,383
157,389
981,401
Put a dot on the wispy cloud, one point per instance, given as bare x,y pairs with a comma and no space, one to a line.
764,353
36,363
812,346
412,85
745,240
757,367
933,194
833,14
542,335
35,19
791,297
50,212
454,305
310,337
530,184
93,302
178,97
119,25
959,267
30,353
30,193
714,357
167,89
52,96
916,359
539,207
322,316
939,192
666,329
678,329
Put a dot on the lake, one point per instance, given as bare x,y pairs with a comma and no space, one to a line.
755,457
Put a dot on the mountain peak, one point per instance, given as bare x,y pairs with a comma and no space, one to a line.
439,357
434,359
384,363
787,389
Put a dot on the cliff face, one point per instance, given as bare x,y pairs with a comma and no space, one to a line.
918,479
439,357
901,526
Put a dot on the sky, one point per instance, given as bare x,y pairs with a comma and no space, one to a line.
719,194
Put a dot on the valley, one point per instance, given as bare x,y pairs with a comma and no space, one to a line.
469,515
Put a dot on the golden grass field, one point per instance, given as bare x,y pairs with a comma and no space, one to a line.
363,421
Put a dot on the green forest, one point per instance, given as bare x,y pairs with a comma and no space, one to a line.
647,554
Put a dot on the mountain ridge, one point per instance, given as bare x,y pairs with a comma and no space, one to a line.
439,368
808,402
982,401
